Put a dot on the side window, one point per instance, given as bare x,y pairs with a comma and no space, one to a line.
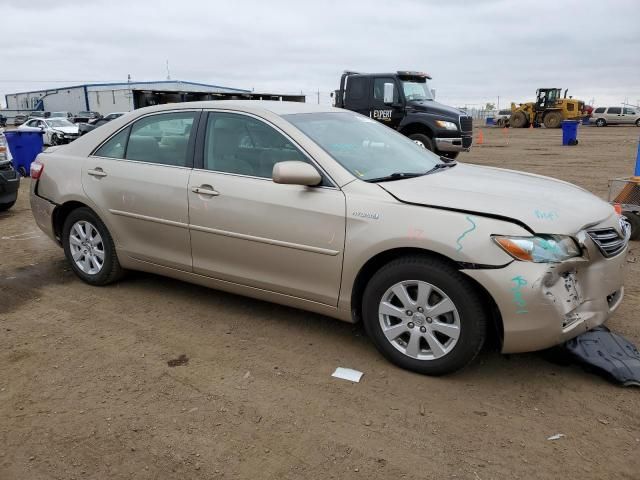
599,110
378,90
115,146
614,110
243,145
628,111
162,138
356,88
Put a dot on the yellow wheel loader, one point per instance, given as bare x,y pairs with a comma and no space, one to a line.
549,110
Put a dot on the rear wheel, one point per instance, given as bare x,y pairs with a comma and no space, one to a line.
552,120
422,140
601,122
638,123
424,315
89,248
518,120
6,206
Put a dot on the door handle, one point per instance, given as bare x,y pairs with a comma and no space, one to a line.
205,190
97,172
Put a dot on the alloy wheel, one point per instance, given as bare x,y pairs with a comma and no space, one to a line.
87,248
419,320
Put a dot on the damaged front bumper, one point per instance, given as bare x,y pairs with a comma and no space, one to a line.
545,304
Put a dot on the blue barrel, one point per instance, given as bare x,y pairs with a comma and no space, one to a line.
25,145
490,121
570,132
586,121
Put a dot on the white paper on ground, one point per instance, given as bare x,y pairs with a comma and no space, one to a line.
557,436
347,374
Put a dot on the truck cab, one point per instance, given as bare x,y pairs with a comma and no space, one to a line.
404,101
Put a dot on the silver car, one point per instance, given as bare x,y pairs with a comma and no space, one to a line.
603,116
329,211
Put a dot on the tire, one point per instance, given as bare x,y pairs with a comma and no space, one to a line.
23,171
89,269
518,120
601,122
638,123
501,122
634,221
409,348
552,120
54,140
7,206
422,140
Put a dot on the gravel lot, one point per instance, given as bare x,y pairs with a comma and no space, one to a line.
86,392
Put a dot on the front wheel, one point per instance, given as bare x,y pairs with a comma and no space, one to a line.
552,120
634,221
638,123
89,248
422,140
424,315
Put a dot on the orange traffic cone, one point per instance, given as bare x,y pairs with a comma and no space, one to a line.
480,138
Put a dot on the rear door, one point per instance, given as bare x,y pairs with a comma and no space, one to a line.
248,230
629,115
138,180
614,115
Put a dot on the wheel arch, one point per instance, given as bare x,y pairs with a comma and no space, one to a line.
60,214
417,127
495,333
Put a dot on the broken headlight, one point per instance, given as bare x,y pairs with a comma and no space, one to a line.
539,249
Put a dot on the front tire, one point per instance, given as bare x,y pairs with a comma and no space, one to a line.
424,315
89,248
638,123
518,120
634,221
422,140
552,120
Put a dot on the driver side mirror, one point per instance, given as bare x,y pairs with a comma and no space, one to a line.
388,94
295,173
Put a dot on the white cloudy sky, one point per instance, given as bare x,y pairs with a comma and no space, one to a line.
475,50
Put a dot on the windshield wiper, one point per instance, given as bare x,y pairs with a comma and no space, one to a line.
441,166
395,176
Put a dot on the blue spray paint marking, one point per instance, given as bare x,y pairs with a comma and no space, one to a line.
542,215
517,294
465,233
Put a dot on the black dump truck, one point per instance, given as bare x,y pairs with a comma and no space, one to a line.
404,101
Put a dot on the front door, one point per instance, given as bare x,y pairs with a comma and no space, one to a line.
391,115
249,230
137,182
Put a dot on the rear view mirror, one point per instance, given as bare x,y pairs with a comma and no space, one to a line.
295,173
388,93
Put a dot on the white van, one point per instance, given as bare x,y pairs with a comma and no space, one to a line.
603,116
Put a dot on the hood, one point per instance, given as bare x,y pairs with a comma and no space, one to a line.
70,129
431,106
543,204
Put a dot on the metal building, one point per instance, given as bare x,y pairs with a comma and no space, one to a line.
123,97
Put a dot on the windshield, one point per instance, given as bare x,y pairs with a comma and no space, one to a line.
59,114
59,122
365,147
416,91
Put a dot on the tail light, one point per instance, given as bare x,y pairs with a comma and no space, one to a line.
36,170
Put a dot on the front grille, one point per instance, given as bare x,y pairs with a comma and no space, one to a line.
466,124
608,240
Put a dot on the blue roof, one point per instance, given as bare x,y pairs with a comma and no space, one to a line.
132,84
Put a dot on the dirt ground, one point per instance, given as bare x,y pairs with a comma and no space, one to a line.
86,391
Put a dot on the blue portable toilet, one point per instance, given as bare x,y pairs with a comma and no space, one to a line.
25,145
570,132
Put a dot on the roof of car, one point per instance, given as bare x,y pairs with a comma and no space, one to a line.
255,106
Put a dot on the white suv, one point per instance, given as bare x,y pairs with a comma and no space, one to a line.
603,116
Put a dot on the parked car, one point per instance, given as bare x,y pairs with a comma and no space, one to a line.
19,120
68,115
330,211
603,116
3,121
84,117
57,131
93,124
9,178
39,114
502,117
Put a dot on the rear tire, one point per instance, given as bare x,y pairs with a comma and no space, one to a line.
89,248
518,120
422,140
441,324
7,206
638,123
552,120
601,122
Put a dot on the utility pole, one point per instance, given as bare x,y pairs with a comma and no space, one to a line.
498,107
318,96
168,72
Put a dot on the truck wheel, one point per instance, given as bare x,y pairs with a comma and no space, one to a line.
601,122
552,120
500,122
518,120
634,221
7,206
424,315
422,140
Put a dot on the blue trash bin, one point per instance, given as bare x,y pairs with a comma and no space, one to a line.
570,132
586,121
25,145
491,121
